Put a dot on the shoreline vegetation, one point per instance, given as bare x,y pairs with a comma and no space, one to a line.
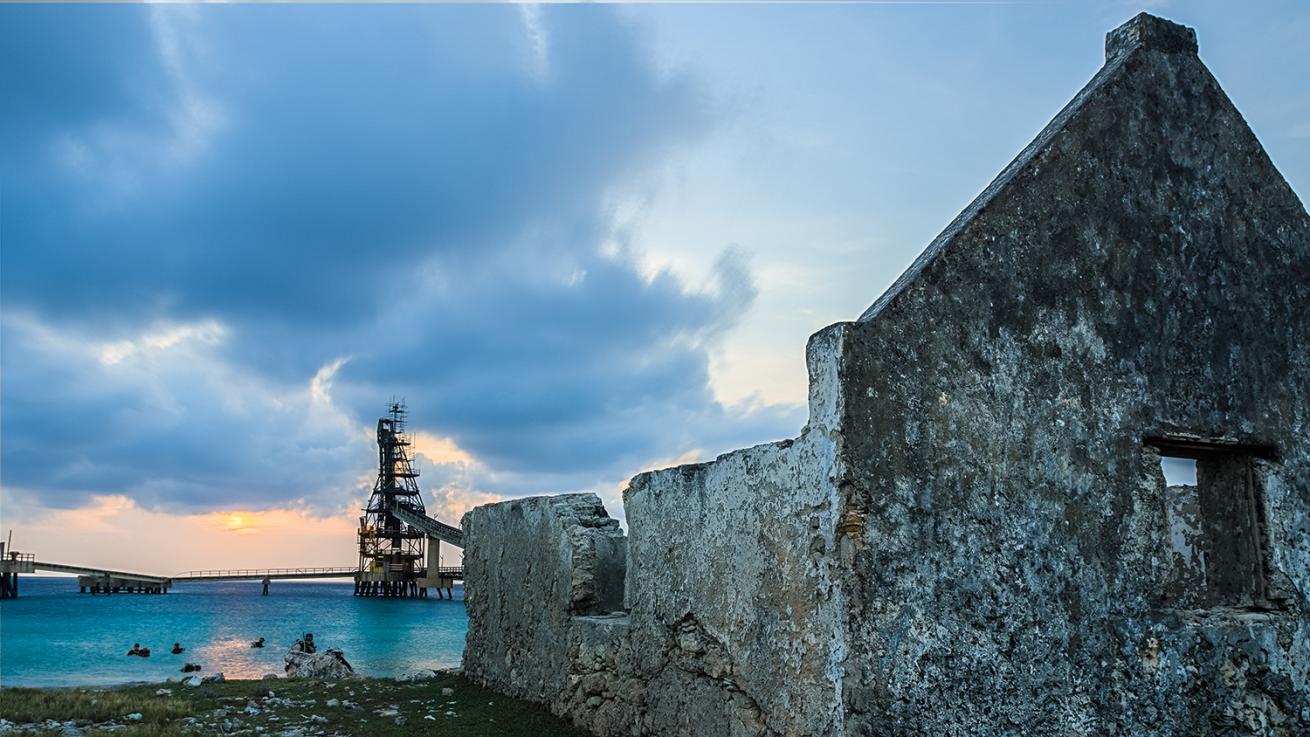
446,704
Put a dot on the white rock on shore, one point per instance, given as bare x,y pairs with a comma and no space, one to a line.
330,663
418,675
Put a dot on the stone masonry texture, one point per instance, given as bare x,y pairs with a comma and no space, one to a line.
972,535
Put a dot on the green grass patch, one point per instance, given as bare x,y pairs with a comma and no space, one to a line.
30,705
372,706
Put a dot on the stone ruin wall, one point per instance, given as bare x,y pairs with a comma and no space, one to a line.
565,560
721,602
972,535
1016,562
732,577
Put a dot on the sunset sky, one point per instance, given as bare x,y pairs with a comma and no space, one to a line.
579,241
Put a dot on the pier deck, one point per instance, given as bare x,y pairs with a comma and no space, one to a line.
258,574
105,580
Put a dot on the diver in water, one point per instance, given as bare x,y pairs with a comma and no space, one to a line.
178,649
258,643
189,667
136,649
305,644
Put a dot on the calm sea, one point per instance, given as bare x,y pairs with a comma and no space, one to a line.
54,636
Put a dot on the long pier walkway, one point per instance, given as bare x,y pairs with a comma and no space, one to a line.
107,581
258,574
95,580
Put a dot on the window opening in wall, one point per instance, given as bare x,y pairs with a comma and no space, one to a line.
1178,471
1214,515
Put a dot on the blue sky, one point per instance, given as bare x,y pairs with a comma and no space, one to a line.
581,241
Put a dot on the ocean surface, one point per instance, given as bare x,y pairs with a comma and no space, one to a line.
51,635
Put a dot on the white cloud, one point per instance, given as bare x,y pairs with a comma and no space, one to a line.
538,39
194,117
119,155
161,338
321,385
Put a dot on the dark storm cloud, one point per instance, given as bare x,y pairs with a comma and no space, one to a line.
342,146
598,369
419,193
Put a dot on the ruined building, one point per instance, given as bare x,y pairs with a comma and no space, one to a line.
972,534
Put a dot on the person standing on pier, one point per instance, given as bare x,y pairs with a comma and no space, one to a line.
266,582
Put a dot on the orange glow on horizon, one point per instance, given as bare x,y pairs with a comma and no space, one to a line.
112,531
439,450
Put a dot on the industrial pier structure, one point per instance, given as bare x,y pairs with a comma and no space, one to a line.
399,545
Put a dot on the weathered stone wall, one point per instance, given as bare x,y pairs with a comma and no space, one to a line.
532,566
972,535
721,597
731,580
1141,272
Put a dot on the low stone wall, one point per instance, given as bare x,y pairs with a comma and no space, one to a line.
532,566
731,628
732,649
737,625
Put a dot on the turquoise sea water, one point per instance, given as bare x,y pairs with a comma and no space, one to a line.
54,636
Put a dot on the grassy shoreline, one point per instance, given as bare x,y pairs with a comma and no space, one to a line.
447,704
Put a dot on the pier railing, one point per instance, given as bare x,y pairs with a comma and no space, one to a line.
104,573
232,574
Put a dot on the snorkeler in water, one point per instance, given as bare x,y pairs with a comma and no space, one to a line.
258,643
178,649
136,649
305,644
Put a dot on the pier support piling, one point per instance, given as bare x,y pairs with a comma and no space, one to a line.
101,584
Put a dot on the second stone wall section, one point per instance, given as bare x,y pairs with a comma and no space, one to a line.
534,565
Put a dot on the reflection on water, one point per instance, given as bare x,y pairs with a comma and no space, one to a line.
239,659
53,635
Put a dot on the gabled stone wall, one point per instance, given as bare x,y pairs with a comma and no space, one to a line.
1140,276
